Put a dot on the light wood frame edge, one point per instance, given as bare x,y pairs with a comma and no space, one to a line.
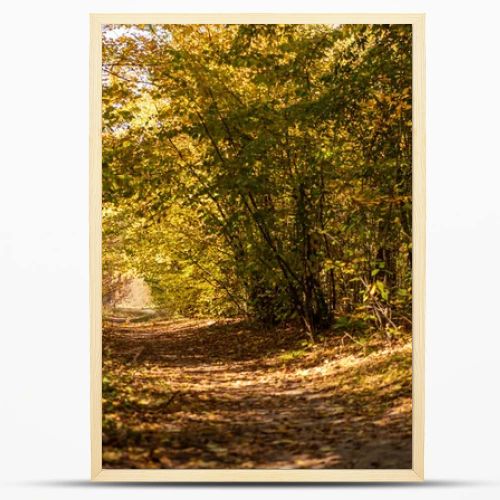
95,191
419,253
419,244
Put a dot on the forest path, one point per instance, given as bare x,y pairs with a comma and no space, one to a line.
206,394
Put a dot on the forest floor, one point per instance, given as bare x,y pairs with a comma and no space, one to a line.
226,394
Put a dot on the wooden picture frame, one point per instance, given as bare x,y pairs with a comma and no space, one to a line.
416,473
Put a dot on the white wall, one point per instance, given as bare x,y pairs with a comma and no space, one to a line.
44,365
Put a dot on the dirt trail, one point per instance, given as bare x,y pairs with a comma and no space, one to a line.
201,394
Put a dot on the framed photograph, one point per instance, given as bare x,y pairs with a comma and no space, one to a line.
257,247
